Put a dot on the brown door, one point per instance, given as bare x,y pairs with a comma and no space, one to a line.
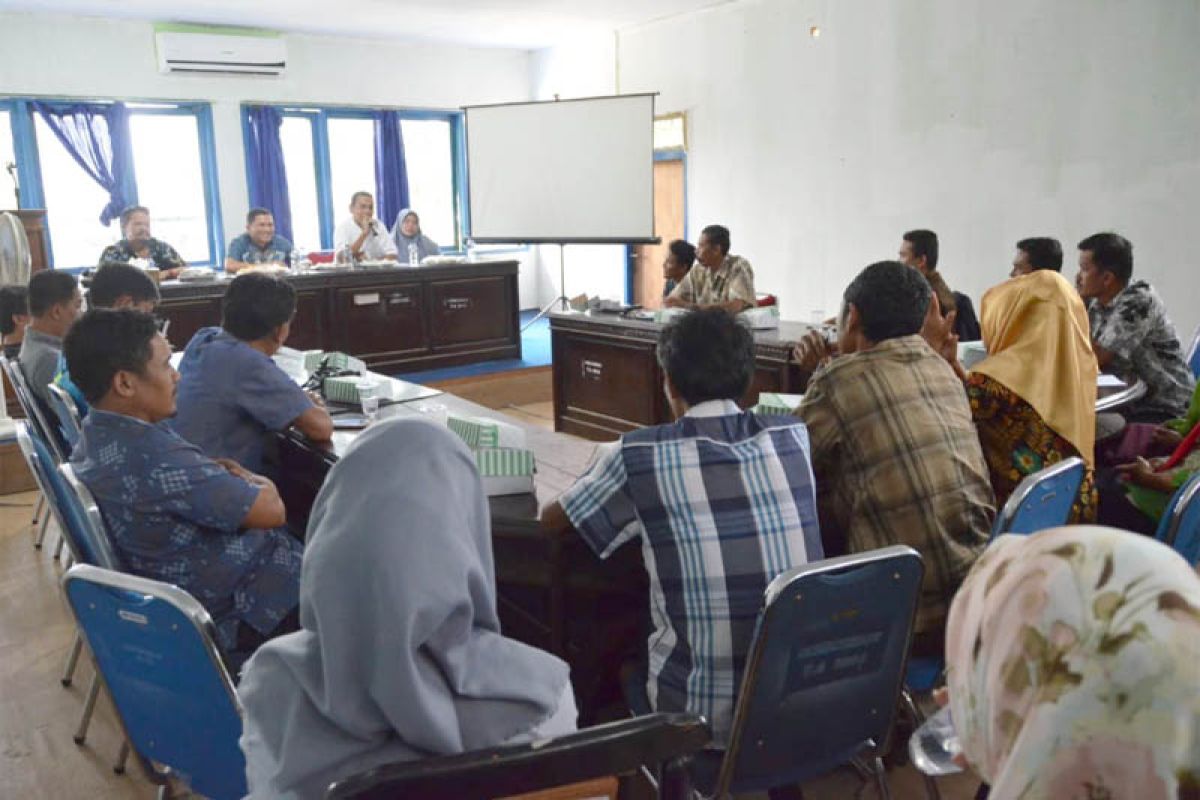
668,224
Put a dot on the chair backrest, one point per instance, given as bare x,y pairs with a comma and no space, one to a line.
825,669
616,748
1193,353
37,458
85,523
34,410
1180,523
1042,500
154,647
63,406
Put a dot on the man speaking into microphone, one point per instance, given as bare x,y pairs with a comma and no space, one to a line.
367,237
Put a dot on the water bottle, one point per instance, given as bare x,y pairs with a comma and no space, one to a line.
345,256
934,745
294,261
471,251
414,255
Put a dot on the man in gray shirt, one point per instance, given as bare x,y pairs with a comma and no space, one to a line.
54,303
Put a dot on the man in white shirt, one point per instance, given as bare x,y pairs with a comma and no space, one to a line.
368,237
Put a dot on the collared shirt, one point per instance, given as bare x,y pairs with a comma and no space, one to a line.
1134,327
39,361
174,515
723,501
733,280
374,247
230,395
161,253
244,249
898,461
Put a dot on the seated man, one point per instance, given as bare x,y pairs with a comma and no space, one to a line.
1131,333
138,243
919,250
726,281
231,393
114,285
680,258
894,448
54,303
174,514
723,501
1039,252
14,316
366,236
258,245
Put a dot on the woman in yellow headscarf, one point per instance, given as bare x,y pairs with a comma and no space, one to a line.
1034,396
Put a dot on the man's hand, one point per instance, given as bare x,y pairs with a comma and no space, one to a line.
1166,438
1141,473
811,351
677,302
316,398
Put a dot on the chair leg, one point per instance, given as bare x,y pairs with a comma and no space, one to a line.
58,548
41,534
72,660
122,758
885,791
68,560
89,706
38,509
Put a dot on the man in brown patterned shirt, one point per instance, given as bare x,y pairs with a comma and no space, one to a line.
721,279
894,449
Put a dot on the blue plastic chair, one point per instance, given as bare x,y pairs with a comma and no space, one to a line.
17,380
1042,500
1180,524
154,645
824,671
63,406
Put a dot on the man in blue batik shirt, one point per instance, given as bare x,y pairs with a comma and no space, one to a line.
231,393
258,245
175,515
723,501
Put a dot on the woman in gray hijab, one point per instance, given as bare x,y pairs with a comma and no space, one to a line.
400,655
406,233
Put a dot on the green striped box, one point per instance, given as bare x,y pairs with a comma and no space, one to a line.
480,432
496,462
312,359
342,390
775,403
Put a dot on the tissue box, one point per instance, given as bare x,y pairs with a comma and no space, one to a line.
763,318
780,404
339,361
506,470
480,432
312,359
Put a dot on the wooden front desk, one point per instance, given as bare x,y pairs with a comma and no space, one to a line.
396,318
552,591
607,380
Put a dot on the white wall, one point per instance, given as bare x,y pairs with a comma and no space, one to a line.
91,57
984,121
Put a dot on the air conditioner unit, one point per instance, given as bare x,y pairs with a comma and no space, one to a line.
185,52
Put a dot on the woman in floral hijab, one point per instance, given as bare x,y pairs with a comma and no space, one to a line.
1074,667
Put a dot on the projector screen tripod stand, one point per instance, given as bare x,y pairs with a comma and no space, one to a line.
561,300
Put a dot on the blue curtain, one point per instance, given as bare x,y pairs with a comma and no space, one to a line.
97,137
264,162
391,172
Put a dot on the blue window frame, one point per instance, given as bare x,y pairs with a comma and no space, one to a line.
149,121
330,209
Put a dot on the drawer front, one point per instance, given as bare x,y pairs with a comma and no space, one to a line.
189,316
381,319
471,310
613,384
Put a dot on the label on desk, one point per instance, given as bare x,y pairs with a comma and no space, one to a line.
593,370
367,299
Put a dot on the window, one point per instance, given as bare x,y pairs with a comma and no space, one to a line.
329,154
170,181
670,132
173,158
351,163
296,138
428,155
73,204
8,160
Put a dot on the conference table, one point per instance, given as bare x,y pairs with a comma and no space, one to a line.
553,592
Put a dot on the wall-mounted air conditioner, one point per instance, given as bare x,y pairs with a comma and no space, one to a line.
183,52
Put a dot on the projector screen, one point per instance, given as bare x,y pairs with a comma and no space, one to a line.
565,171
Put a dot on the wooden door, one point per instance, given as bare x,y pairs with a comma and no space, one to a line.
668,224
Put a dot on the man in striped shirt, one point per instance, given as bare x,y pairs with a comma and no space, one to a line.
723,501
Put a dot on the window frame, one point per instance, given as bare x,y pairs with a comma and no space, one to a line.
319,116
29,165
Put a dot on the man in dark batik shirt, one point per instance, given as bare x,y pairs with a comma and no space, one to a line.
1131,333
138,243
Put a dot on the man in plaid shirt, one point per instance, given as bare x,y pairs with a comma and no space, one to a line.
723,501
894,448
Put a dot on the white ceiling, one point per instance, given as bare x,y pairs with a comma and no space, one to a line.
526,24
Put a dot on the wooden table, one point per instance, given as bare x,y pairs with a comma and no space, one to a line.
607,380
553,592
395,318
